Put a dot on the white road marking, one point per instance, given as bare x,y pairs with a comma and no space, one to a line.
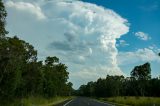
68,102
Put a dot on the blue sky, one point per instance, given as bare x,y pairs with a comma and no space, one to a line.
143,15
92,37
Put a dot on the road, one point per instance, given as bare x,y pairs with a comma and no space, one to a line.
83,101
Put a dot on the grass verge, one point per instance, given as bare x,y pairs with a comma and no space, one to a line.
132,101
36,101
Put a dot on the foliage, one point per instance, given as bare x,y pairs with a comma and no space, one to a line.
3,15
21,75
36,101
142,72
139,84
133,101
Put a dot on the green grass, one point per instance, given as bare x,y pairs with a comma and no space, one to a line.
36,101
133,101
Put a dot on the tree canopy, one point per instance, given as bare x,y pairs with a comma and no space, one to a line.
139,84
21,74
3,15
142,72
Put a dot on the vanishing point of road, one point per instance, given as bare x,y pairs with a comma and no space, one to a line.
83,101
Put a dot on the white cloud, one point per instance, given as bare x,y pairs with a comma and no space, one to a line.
74,31
81,58
122,43
33,9
92,73
90,51
140,55
142,36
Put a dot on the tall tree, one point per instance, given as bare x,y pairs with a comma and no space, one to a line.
142,72
3,15
11,62
55,75
16,61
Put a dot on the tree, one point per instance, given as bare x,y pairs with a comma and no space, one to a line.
32,77
55,75
154,87
51,61
17,60
87,90
3,15
142,72
22,75
67,89
11,62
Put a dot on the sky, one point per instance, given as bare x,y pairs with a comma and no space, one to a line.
94,38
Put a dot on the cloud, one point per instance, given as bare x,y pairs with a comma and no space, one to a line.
122,43
61,45
82,35
92,73
27,7
142,36
70,36
140,55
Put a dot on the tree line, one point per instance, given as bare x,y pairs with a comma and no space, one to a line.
139,83
22,75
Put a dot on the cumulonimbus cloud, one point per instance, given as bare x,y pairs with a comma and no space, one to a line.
84,33
27,7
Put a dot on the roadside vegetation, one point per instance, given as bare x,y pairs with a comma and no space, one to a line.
24,79
138,90
132,101
36,101
139,84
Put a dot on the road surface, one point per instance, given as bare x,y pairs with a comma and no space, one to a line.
82,101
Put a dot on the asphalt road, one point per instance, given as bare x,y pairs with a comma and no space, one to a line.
82,101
